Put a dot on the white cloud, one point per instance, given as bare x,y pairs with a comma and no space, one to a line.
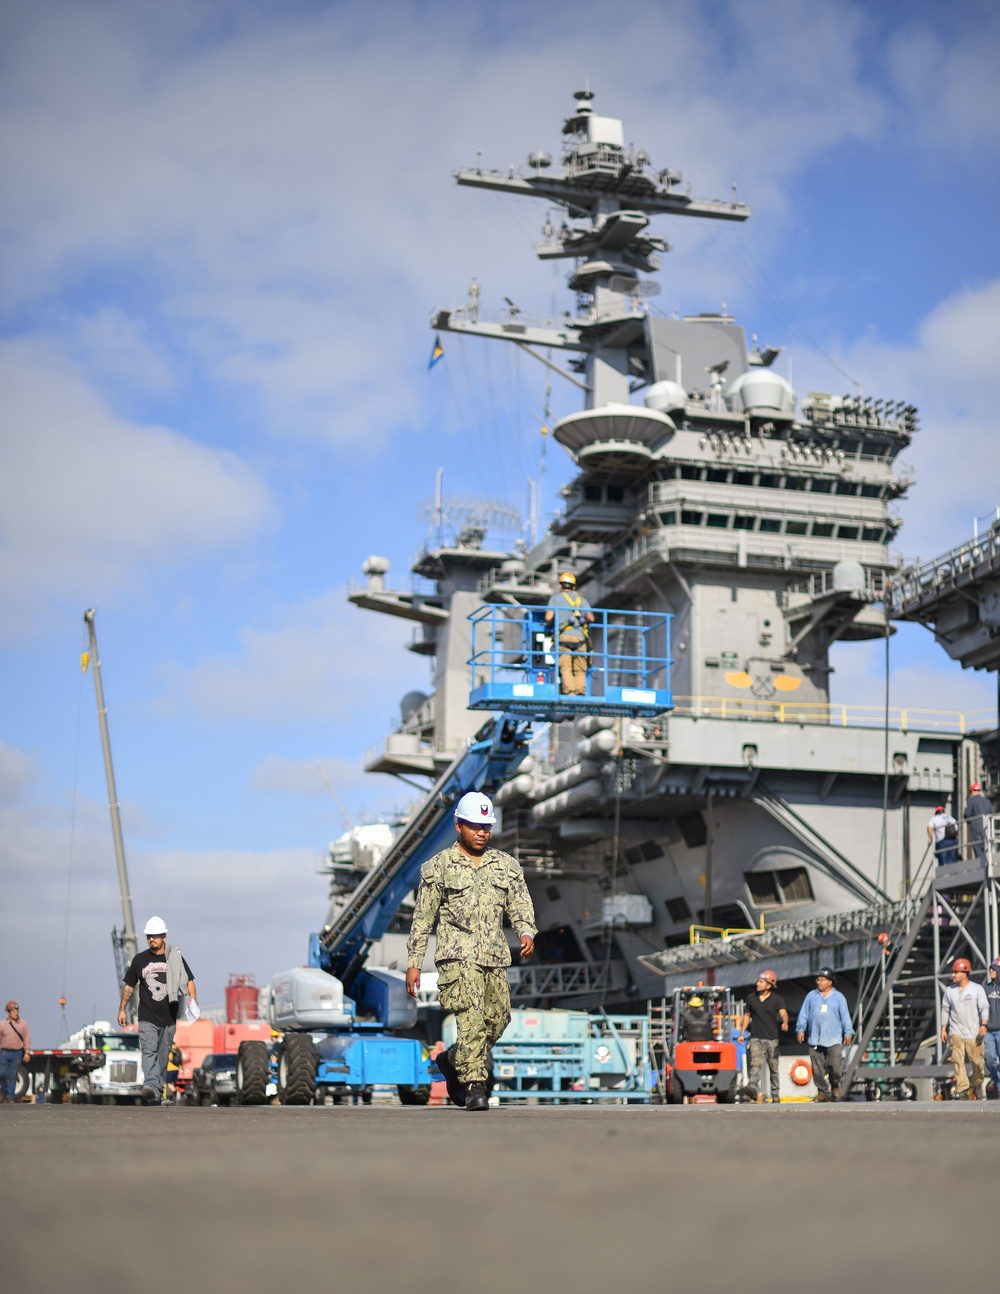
307,777
948,85
280,199
90,502
321,661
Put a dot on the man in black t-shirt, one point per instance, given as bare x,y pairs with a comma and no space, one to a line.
163,978
767,1019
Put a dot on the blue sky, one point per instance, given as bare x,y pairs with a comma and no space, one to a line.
224,229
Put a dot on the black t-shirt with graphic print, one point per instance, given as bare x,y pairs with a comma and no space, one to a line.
149,971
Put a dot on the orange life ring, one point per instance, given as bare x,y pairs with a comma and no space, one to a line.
801,1072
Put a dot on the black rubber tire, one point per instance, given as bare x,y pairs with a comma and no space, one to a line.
253,1072
728,1097
298,1061
409,1095
21,1082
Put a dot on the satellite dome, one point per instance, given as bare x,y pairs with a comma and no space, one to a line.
410,702
849,577
762,394
664,397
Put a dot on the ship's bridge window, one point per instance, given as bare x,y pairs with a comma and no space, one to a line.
869,491
689,472
717,474
796,527
770,525
847,487
720,520
689,518
847,532
795,483
592,493
743,478
821,486
770,481
668,518
678,909
822,529
872,534
744,523
648,852
774,889
616,494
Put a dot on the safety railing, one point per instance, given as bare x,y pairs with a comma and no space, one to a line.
581,661
972,559
834,714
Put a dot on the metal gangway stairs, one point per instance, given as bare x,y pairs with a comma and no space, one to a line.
953,913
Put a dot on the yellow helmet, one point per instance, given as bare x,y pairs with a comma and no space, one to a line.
567,577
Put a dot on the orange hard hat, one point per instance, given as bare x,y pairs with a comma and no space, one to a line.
962,965
770,976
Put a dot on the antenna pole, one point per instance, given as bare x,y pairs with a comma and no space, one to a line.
128,933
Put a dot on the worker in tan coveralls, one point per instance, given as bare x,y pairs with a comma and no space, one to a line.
465,890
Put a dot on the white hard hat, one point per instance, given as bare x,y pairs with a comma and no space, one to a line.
476,808
155,926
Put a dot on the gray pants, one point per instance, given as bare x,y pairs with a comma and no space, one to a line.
827,1066
154,1042
763,1050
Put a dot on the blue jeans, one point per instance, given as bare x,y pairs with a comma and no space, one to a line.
155,1041
9,1061
991,1046
946,852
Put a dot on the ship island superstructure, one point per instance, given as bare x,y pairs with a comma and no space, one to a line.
760,522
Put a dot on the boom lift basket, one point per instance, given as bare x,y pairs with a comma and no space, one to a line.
515,662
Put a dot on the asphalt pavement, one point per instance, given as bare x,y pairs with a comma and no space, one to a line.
351,1199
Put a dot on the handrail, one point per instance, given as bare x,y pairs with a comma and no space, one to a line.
833,713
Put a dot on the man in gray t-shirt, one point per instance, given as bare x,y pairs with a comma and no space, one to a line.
965,1012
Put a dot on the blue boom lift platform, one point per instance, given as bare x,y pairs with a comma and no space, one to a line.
343,1025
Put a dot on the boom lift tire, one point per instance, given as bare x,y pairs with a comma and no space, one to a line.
253,1072
409,1095
298,1061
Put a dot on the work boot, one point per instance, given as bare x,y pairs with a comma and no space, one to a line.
456,1089
759,1099
148,1096
477,1098
751,1095
836,1093
971,1095
822,1096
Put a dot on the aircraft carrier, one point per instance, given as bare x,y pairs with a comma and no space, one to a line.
756,818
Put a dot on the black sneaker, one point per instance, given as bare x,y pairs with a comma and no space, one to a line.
148,1097
456,1089
477,1098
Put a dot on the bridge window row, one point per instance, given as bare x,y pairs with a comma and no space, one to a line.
773,525
779,481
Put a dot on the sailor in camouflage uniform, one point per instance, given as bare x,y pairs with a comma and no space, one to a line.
466,889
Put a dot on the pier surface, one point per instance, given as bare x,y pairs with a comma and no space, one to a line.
431,1201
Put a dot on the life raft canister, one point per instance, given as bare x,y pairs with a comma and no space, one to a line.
801,1072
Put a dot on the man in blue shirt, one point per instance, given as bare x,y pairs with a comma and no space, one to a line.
825,1023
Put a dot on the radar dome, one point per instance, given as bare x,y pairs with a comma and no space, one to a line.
664,397
849,577
761,394
410,702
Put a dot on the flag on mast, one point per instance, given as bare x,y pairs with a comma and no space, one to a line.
437,352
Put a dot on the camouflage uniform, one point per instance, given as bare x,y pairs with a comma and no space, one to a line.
468,902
